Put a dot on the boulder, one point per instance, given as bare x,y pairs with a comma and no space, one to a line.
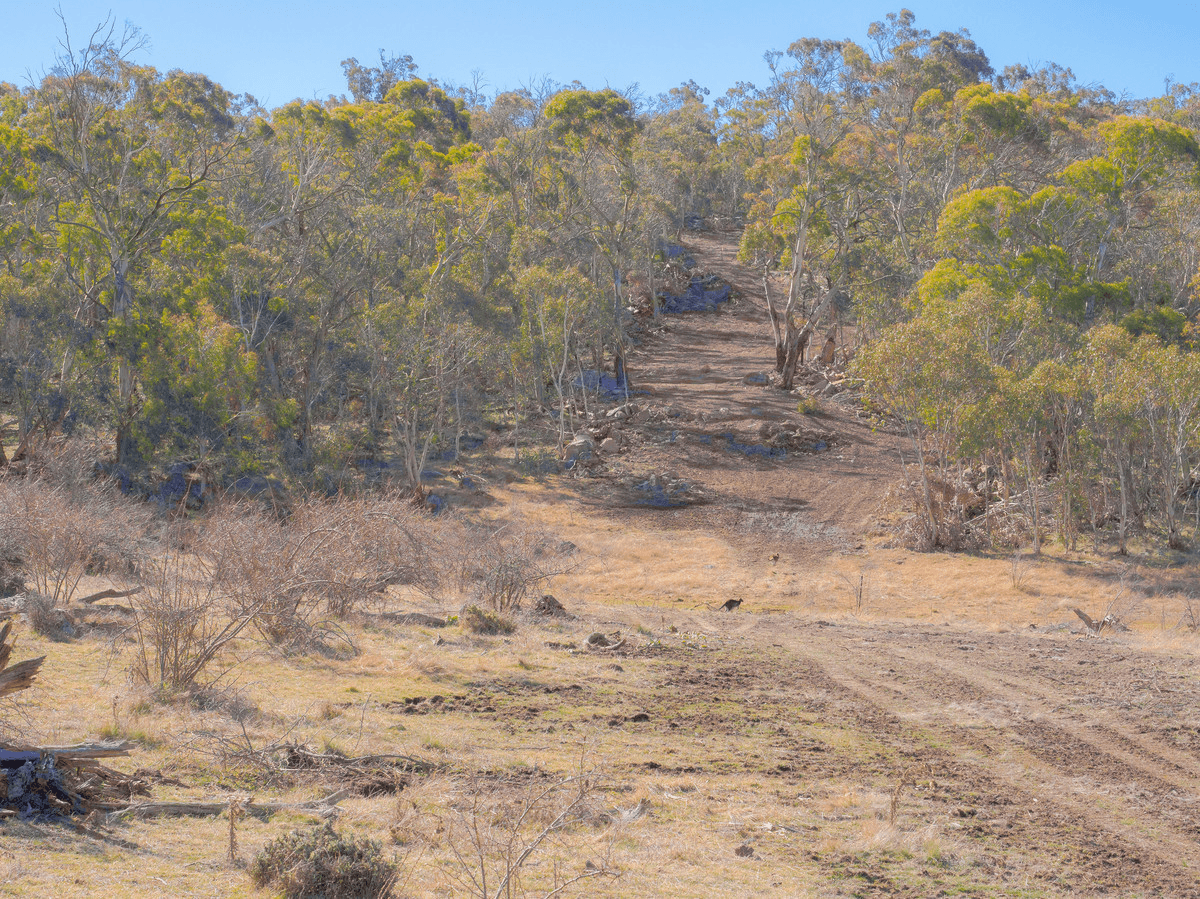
583,446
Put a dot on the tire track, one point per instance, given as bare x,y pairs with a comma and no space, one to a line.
1174,767
1032,763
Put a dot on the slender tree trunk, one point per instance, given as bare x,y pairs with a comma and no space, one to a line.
1123,526
773,312
799,340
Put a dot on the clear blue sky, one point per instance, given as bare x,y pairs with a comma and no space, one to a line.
278,51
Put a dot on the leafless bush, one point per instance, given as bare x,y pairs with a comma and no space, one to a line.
60,535
327,558
860,588
368,545
254,566
181,623
45,619
1020,567
492,833
1191,613
499,568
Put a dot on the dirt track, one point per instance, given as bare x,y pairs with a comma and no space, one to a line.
1064,765
699,366
1050,765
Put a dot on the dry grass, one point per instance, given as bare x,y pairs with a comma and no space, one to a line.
709,794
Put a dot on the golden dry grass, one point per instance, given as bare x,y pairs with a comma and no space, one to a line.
706,794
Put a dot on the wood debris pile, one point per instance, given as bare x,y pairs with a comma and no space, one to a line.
53,781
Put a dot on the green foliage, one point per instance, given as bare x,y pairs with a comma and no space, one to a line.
1165,323
191,275
580,117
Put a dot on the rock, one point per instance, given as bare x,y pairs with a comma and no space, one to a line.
582,447
609,445
758,378
548,605
597,640
624,411
819,386
269,491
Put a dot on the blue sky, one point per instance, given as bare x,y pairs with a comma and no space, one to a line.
279,51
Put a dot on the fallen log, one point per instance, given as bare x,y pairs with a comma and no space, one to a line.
418,619
80,751
109,594
325,808
20,676
14,678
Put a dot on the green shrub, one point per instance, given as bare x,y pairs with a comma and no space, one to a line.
481,621
322,864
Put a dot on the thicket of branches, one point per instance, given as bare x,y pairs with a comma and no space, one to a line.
192,276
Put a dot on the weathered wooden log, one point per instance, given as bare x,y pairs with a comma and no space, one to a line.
208,807
109,594
20,676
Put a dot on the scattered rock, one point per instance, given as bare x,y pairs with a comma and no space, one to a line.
744,851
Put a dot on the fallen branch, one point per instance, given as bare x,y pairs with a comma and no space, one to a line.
14,678
105,750
19,676
600,641
110,594
325,808
419,619
1096,627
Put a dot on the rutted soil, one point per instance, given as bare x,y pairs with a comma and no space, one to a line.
709,370
1054,765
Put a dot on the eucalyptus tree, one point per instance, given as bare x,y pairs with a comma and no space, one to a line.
132,153
800,183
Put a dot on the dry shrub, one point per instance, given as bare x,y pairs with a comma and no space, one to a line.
306,864
499,567
327,558
60,534
492,832
483,621
368,544
181,623
254,564
938,524
45,619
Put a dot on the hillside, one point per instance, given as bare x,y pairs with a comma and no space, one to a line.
869,722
